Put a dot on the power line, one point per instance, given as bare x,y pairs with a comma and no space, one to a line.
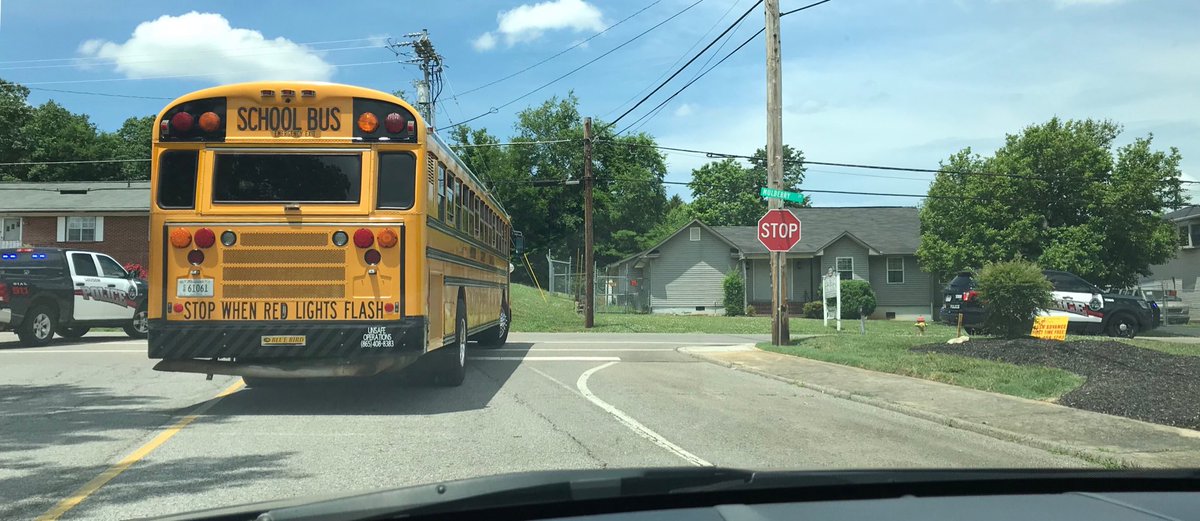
77,58
677,60
494,110
721,155
559,53
514,143
685,66
14,86
705,72
198,75
190,58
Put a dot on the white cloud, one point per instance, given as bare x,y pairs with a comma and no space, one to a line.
528,22
205,44
684,110
485,42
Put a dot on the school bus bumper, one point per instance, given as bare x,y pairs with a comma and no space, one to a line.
273,342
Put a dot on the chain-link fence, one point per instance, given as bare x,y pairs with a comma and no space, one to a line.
619,294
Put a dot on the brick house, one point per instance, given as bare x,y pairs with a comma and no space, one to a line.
108,217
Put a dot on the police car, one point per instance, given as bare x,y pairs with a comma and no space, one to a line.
1089,309
44,291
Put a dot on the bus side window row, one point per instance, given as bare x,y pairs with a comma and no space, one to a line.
460,208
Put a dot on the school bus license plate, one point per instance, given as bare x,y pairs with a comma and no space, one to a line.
284,341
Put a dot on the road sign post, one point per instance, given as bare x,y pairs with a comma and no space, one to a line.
779,230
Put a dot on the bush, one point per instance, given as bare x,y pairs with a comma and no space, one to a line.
813,309
858,299
1012,292
735,294
750,311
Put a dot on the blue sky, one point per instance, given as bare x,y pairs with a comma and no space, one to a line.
897,82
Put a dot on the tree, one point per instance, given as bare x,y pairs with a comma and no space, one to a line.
1055,194
858,299
678,213
735,294
132,141
725,193
15,114
57,134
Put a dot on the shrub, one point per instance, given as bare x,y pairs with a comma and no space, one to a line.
735,294
858,299
813,309
750,311
1012,292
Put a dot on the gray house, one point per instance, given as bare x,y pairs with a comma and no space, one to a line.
1182,272
683,273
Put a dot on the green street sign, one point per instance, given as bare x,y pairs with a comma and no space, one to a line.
774,193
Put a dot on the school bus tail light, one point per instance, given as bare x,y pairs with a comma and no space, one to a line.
368,122
228,238
195,257
395,123
372,257
209,121
340,238
205,238
181,238
363,238
182,122
388,238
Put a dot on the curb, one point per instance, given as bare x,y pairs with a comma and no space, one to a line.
1089,455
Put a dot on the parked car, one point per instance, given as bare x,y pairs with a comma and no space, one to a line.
1174,309
44,291
1089,309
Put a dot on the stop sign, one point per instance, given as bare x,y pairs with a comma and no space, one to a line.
779,230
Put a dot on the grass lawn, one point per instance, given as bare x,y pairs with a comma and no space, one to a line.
556,314
1171,348
885,348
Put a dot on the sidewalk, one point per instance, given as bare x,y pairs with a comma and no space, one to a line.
1095,437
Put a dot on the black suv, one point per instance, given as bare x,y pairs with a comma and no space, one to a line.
1089,310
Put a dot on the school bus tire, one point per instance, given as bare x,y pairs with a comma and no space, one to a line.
498,336
452,364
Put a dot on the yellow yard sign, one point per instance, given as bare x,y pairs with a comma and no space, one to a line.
1050,328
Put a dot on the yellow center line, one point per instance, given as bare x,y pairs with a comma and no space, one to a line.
92,486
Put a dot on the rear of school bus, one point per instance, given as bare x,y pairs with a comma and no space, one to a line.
286,232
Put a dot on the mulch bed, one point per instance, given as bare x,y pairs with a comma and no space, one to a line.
1120,379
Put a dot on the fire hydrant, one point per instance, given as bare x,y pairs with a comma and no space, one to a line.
921,325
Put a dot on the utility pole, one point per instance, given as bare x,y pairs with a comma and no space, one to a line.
424,56
589,268
780,334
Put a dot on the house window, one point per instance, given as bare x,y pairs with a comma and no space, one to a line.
895,270
1189,235
694,234
845,267
82,229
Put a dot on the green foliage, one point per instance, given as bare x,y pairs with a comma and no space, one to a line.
725,193
1012,292
750,311
678,214
132,141
858,299
735,293
814,309
15,114
1065,201
630,202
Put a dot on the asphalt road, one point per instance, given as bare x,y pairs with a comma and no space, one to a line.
88,425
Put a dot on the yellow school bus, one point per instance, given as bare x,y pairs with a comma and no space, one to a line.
318,230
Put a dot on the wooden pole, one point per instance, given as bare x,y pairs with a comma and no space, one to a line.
589,291
779,306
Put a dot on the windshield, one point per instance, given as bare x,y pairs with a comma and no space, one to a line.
304,250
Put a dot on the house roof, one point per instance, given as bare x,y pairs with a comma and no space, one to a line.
90,196
693,222
887,229
1187,212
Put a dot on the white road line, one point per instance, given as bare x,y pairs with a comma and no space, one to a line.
74,351
627,342
551,358
633,424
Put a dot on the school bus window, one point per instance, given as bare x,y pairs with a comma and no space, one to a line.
177,179
397,180
450,191
459,209
287,178
441,179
